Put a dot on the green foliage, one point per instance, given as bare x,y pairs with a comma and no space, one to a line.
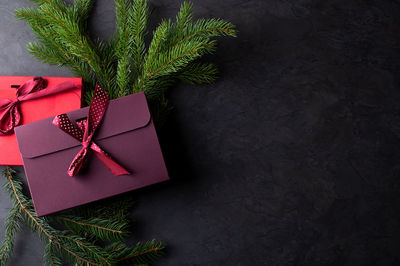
199,73
123,65
79,249
123,49
51,257
13,224
76,249
142,253
107,229
138,24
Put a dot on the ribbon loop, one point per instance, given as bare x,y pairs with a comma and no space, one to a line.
84,130
34,88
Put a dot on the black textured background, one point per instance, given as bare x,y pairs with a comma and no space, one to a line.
291,158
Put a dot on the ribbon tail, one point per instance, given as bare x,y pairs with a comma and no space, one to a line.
106,159
9,118
77,162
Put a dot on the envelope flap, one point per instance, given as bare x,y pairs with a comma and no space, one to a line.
124,114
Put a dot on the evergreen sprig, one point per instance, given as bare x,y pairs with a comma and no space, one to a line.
75,248
13,224
79,249
122,65
140,254
105,229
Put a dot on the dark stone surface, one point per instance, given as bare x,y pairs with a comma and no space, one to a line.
291,158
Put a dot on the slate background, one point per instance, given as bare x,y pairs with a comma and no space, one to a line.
291,158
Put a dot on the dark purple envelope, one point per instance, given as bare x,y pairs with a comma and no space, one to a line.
126,133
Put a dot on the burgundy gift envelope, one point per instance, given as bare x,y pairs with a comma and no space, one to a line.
127,133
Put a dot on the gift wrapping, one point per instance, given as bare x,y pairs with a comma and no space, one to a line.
34,109
126,134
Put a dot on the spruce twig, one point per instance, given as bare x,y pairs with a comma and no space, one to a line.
122,65
13,224
75,248
142,253
50,255
72,246
123,47
104,229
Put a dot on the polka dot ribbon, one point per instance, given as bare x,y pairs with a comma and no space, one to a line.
84,130
34,88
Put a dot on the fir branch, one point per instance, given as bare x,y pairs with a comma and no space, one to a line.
198,73
183,20
52,50
207,28
13,224
155,91
138,23
80,46
83,8
51,257
142,253
45,34
104,229
56,4
69,31
159,35
45,55
123,48
73,247
173,48
78,249
178,57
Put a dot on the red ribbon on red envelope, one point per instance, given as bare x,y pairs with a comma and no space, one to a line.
84,130
10,115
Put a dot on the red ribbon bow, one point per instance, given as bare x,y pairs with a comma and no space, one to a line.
84,132
10,115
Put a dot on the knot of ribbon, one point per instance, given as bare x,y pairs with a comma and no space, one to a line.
84,130
34,88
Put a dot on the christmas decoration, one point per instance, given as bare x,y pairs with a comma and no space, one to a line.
122,66
85,130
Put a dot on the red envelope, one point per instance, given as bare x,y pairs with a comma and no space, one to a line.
36,109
